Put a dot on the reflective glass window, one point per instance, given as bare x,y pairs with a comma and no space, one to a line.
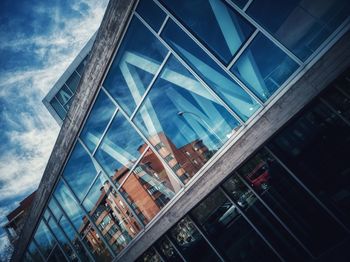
56,211
57,256
64,94
150,256
73,81
296,208
151,13
100,115
190,242
149,187
27,257
316,148
111,215
58,108
180,115
81,66
137,61
80,171
209,71
213,22
120,148
240,3
34,252
263,67
228,231
302,26
338,101
96,246
44,239
167,250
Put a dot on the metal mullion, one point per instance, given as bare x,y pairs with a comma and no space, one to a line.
155,77
113,186
165,164
74,229
161,257
59,104
53,249
73,93
247,5
267,34
307,189
240,211
64,233
205,49
38,248
105,131
274,215
90,186
198,78
75,70
205,238
163,25
177,250
327,104
242,49
342,91
58,243
87,215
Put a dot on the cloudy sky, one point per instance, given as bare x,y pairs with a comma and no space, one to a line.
38,40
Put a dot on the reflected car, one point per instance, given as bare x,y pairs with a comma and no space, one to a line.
259,177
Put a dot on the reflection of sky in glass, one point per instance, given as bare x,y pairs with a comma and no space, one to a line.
215,23
67,228
99,117
96,191
263,67
119,147
176,90
56,211
210,72
44,239
79,171
138,59
152,14
58,233
69,205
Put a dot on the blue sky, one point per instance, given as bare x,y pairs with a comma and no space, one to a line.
38,40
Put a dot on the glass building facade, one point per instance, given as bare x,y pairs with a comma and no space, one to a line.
187,77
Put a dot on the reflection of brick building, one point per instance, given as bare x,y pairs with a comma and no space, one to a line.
17,218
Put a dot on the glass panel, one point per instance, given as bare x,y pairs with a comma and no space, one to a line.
80,171
190,242
149,256
64,242
316,147
81,66
179,115
64,94
240,3
73,81
58,108
228,231
302,26
56,256
209,71
56,211
151,13
137,61
339,101
111,215
263,67
120,148
27,257
149,187
291,203
96,246
167,250
44,239
34,252
268,225
220,28
100,115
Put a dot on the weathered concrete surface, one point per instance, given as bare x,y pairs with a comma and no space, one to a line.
333,63
111,29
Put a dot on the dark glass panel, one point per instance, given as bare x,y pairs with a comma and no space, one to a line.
339,101
63,95
216,25
296,208
190,242
81,66
209,71
44,239
167,250
34,252
73,81
149,256
228,231
240,3
263,67
58,108
132,70
151,13
57,256
180,117
302,26
101,113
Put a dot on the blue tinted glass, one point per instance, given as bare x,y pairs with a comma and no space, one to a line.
64,95
210,72
152,14
301,26
56,211
44,239
58,108
263,67
180,115
240,3
99,117
97,191
120,148
34,252
68,204
79,171
73,81
214,23
137,61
